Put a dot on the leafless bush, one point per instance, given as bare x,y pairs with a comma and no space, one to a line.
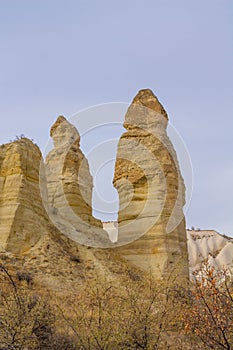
209,316
141,315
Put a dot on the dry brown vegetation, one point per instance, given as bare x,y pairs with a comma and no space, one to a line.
137,316
209,315
27,320
104,315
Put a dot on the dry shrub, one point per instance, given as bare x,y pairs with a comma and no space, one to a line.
140,315
209,315
27,320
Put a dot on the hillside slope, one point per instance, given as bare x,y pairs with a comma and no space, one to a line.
210,245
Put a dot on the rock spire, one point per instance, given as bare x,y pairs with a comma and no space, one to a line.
23,219
151,191
70,185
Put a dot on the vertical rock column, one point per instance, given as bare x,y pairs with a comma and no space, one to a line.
23,219
70,186
151,190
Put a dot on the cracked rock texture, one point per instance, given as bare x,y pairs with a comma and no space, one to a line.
23,219
151,191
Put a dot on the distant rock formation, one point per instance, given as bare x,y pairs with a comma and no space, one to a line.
70,185
211,246
23,219
151,191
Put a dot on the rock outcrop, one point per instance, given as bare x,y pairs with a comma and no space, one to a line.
151,230
70,185
209,246
151,191
23,219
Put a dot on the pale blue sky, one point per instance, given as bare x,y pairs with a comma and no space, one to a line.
58,57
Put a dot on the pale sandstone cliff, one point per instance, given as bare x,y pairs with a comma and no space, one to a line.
23,219
146,163
211,246
151,191
31,244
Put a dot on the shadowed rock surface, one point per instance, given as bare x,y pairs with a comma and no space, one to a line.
151,191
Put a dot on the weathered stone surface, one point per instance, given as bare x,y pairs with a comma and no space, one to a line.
23,219
151,191
147,177
70,186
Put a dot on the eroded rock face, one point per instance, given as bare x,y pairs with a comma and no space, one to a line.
151,191
70,186
22,215
212,247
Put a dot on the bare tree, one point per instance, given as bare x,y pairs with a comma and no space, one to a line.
141,315
27,321
210,315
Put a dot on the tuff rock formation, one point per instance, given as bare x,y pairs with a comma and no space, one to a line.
23,219
151,191
70,185
212,247
147,177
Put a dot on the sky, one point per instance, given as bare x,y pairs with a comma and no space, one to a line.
61,57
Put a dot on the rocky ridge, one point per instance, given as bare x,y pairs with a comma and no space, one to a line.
216,249
151,225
